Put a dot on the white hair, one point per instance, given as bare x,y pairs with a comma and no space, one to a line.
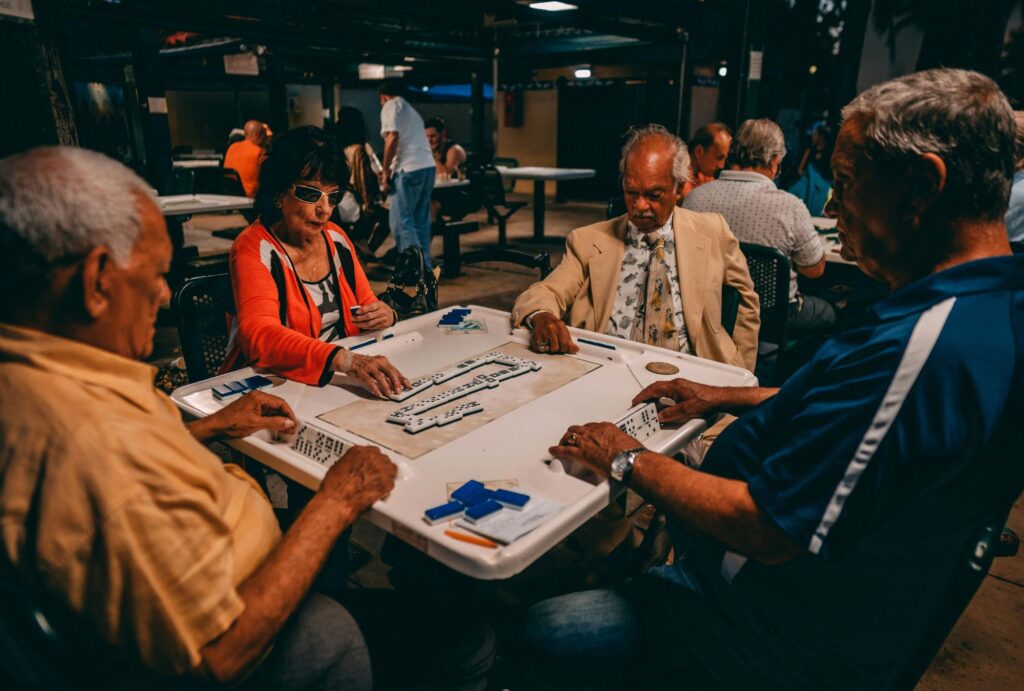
680,158
64,201
756,144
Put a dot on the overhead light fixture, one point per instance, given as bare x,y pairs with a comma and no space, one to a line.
582,73
552,6
426,89
368,70
722,71
401,68
409,58
812,69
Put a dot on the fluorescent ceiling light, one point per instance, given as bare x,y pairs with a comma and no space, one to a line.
369,70
582,73
552,6
722,71
402,68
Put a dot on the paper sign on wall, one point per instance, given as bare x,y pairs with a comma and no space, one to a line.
245,64
21,9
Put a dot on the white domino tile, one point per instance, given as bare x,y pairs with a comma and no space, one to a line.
318,445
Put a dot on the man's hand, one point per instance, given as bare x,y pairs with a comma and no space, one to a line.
359,478
693,400
250,413
374,316
385,183
550,335
594,444
376,371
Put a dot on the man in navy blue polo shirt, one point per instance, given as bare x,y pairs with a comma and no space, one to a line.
824,524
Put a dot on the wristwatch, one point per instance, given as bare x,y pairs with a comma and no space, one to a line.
622,464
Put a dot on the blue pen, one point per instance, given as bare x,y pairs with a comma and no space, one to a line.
357,346
599,344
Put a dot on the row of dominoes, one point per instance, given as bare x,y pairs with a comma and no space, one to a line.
418,424
640,422
424,383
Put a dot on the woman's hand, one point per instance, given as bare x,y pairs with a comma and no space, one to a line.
376,371
376,315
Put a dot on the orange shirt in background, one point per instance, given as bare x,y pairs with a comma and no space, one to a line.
245,157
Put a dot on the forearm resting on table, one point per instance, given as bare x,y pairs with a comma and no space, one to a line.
203,429
736,400
712,506
272,593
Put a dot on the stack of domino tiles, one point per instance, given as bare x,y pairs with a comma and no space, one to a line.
410,416
475,502
454,316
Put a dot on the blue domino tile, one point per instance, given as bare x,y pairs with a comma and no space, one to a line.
482,510
513,500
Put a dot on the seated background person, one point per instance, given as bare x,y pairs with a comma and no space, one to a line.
825,526
246,156
759,212
709,149
654,275
111,509
296,275
449,157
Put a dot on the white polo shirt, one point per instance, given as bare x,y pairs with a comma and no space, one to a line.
758,212
396,115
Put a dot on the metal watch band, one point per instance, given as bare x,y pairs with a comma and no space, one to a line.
622,464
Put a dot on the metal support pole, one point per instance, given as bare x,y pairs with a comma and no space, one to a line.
682,83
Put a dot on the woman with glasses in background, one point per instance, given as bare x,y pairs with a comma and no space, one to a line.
297,282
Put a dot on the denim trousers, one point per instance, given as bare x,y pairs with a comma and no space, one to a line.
409,214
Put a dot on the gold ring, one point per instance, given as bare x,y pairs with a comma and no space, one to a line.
572,439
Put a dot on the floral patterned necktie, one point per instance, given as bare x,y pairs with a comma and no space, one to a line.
655,322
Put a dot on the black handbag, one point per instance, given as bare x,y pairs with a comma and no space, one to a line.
412,289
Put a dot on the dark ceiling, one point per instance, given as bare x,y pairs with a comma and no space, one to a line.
440,39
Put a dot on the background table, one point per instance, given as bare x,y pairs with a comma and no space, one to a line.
198,163
541,175
512,446
189,204
450,183
826,228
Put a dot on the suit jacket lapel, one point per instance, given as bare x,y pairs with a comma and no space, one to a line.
604,269
692,265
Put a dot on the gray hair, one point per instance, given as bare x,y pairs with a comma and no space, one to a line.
63,201
961,117
756,144
680,158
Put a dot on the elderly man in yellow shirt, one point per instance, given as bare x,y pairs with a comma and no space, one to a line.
109,506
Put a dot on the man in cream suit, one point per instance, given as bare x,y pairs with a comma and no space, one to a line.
654,275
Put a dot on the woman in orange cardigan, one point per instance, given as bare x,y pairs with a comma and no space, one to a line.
296,277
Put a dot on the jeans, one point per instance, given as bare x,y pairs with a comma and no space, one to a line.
810,315
658,631
410,210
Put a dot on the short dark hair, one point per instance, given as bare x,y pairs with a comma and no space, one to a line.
305,153
436,122
391,88
705,136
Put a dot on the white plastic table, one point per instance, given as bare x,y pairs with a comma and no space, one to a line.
830,240
189,204
540,175
449,183
197,163
512,446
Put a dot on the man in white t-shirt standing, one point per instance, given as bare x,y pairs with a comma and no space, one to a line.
408,173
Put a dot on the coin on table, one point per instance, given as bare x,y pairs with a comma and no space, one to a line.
662,368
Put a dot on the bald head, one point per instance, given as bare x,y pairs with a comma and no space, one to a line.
255,132
654,164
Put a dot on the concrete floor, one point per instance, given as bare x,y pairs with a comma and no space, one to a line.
982,652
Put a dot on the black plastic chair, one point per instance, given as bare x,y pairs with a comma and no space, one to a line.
979,551
1017,247
202,306
181,181
730,308
231,184
616,207
510,184
498,207
769,269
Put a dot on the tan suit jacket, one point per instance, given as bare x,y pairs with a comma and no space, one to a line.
581,290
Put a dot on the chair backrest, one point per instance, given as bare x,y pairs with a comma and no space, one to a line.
510,184
730,308
181,181
964,582
493,187
769,269
203,305
1017,247
616,207
231,184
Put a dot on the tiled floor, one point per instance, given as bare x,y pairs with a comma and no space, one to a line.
984,649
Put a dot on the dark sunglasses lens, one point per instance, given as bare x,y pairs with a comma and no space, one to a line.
310,195
334,198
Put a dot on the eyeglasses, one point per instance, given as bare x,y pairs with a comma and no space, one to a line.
312,195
